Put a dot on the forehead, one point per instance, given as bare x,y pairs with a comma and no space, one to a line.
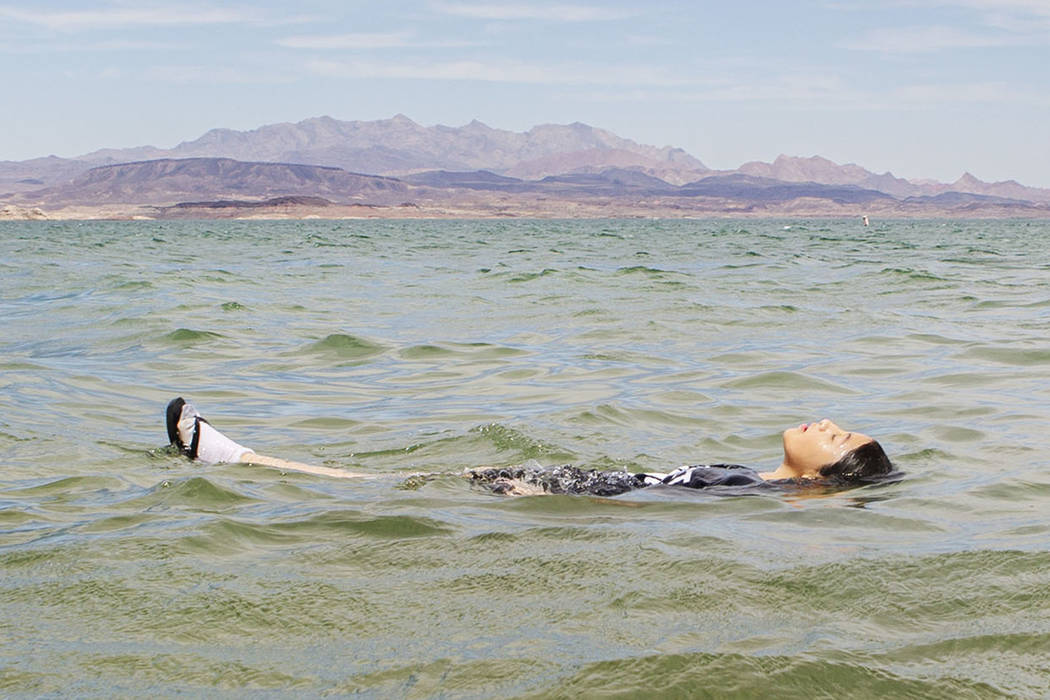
858,439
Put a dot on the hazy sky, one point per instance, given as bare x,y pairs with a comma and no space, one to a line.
925,88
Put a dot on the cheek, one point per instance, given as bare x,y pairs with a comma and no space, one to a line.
797,446
809,451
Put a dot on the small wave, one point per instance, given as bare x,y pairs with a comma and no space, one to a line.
332,423
606,414
233,306
479,351
494,538
740,266
1018,357
224,535
13,519
912,274
196,492
786,380
972,379
934,339
135,284
117,523
530,276
352,522
644,270
628,357
20,366
71,485
427,352
10,439
1015,490
929,456
954,433
507,439
675,675
155,670
344,347
186,337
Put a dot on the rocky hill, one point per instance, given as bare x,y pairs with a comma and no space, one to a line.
395,161
824,171
169,181
399,146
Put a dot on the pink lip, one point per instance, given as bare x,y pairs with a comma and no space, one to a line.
804,427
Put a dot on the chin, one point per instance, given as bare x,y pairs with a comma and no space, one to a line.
790,437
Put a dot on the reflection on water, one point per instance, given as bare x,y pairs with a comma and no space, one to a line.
404,348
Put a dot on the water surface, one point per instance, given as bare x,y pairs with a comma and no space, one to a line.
398,348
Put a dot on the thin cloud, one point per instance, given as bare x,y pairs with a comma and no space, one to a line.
213,75
1036,7
971,93
116,45
640,40
991,23
494,72
531,11
927,40
135,45
359,41
808,92
389,40
1028,19
115,17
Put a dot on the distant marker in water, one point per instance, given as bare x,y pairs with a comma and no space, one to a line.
865,220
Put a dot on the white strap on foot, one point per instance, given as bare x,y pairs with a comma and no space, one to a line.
214,447
205,442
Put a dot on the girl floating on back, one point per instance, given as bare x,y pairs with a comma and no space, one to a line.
814,453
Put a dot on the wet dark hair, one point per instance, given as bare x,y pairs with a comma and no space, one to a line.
865,463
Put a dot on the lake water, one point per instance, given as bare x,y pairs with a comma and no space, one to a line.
408,347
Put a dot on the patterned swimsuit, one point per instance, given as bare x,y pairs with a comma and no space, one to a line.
569,479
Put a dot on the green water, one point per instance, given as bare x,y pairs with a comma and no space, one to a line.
401,348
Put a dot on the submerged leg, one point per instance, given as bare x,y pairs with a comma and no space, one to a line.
197,439
286,465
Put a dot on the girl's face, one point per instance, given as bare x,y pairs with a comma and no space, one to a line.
811,446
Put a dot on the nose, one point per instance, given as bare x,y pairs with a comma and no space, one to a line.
825,424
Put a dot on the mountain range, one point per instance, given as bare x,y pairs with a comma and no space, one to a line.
476,168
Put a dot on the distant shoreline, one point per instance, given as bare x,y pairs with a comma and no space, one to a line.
396,169
507,210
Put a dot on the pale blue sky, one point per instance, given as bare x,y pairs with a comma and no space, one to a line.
925,88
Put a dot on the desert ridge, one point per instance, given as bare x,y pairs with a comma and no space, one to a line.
395,168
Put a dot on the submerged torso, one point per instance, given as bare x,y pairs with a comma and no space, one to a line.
536,479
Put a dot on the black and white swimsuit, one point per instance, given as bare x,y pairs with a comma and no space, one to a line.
569,479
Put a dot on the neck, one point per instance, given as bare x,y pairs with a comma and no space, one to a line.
784,471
